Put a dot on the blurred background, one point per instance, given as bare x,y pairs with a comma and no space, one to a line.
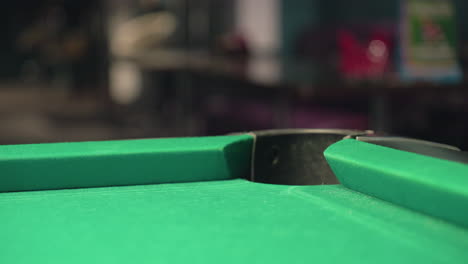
115,69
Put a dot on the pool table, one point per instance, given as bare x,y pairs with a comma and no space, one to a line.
309,196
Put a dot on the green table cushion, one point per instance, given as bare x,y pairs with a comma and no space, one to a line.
123,162
229,221
429,185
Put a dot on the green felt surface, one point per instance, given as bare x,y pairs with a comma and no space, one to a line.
231,221
123,162
429,185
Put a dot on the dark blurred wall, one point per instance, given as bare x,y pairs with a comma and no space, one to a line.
297,15
55,35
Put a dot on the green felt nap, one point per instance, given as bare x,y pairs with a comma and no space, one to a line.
231,221
429,185
123,162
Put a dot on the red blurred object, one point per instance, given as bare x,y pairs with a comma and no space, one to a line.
364,58
235,45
